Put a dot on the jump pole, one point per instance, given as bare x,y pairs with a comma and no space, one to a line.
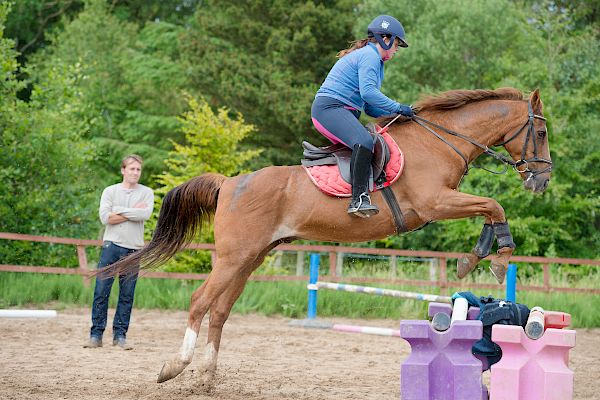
379,292
314,285
27,313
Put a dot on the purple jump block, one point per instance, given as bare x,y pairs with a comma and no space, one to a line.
532,369
441,365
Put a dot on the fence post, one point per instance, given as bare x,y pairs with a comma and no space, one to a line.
312,279
339,264
332,262
300,263
546,267
394,266
433,269
83,265
511,283
443,276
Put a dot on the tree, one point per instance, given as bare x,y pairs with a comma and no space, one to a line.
130,82
266,59
44,162
212,145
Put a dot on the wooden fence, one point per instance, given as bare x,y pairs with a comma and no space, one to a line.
335,255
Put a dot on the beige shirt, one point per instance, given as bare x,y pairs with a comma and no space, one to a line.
119,200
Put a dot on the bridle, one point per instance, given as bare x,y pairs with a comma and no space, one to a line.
520,166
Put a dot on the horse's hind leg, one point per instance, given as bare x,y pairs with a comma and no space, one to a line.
222,276
219,312
173,367
468,262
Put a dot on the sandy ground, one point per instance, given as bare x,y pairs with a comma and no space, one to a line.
260,358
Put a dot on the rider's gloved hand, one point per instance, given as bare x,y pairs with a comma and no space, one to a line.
406,111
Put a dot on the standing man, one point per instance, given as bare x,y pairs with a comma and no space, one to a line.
123,209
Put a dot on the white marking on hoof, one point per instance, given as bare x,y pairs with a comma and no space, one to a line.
209,366
174,367
210,358
188,346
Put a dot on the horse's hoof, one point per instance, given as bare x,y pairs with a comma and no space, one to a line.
466,264
499,272
170,370
207,380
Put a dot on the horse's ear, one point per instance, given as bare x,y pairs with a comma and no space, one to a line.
536,101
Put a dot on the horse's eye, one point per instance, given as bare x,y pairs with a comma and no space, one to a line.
541,134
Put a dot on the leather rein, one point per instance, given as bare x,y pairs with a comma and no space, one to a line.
520,166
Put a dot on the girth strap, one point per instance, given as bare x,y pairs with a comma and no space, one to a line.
392,202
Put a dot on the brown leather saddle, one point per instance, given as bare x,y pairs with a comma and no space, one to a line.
340,155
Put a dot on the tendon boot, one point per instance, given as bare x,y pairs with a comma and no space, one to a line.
360,170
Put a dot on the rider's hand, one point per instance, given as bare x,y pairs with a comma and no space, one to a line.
406,111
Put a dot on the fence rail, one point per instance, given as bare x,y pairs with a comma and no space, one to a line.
335,254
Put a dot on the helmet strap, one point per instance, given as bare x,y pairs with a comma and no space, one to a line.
380,39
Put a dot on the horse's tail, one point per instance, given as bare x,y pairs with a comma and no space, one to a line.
184,210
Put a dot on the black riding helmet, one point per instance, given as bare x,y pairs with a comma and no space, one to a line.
386,26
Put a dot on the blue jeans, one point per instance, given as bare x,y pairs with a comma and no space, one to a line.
110,254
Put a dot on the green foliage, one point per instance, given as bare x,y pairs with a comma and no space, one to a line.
267,64
212,145
130,84
212,141
44,162
31,20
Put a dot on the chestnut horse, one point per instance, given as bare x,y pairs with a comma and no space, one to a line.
255,212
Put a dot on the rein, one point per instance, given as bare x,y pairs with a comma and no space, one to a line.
523,162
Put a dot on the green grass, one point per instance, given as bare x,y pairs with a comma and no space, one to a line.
288,299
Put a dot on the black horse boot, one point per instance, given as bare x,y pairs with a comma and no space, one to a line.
360,170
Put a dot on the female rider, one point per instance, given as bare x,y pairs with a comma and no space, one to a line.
353,85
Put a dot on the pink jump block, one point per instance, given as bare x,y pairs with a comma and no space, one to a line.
441,365
532,369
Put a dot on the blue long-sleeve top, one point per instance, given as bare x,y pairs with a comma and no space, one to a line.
356,80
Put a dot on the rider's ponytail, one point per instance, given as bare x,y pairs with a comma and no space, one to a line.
357,44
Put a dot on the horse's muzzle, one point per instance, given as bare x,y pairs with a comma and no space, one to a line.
537,183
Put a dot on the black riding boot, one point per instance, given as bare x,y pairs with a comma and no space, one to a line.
360,169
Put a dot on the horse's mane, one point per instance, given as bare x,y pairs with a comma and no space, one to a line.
457,98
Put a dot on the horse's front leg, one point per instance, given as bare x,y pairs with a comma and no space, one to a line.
468,262
453,205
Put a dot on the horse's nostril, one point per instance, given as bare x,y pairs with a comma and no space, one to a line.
545,185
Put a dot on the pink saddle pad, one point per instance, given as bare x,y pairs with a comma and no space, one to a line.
328,178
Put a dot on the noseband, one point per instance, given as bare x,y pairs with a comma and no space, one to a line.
521,166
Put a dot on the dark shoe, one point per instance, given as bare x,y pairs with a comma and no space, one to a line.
362,206
93,343
360,170
122,343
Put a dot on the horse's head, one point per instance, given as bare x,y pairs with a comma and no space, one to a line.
529,147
